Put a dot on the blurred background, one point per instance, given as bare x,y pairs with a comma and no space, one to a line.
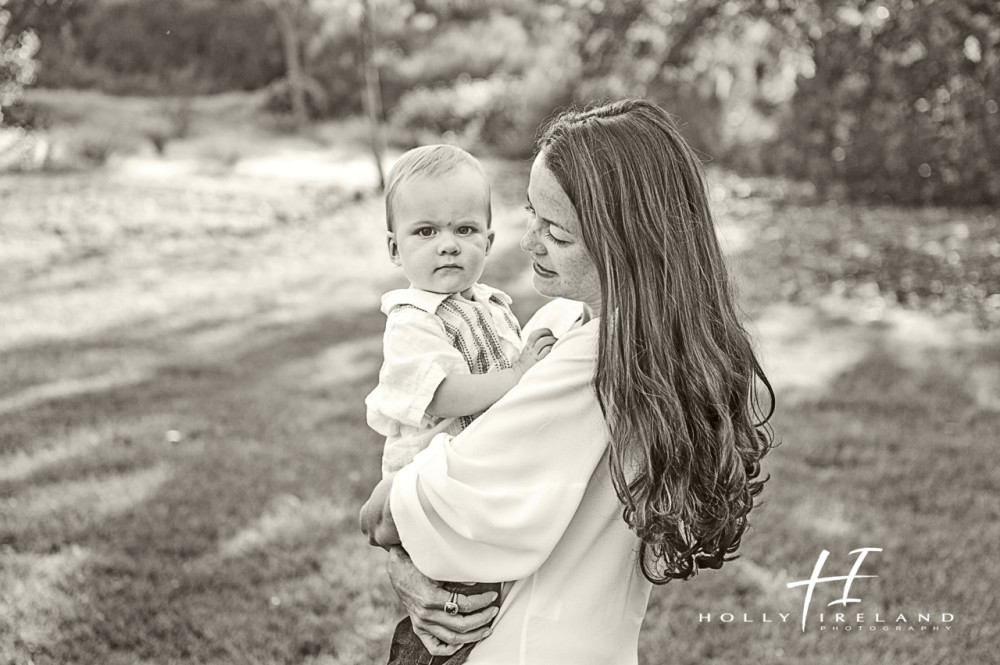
192,253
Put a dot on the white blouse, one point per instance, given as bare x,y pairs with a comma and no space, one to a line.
525,494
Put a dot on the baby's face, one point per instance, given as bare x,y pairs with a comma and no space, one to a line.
440,235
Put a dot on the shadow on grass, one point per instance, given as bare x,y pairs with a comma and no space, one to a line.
892,448
238,543
202,508
895,452
256,428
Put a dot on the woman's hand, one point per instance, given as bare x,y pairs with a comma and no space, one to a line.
376,518
424,599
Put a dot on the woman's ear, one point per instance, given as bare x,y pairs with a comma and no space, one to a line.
393,246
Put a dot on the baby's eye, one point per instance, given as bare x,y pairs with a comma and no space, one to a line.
466,230
425,232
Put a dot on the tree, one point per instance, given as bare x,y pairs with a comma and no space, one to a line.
291,16
373,93
900,101
890,99
17,61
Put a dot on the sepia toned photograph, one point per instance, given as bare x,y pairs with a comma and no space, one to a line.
499,332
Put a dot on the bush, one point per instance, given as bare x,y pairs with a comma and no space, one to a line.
143,47
17,61
919,259
278,98
458,110
903,106
27,115
95,148
336,66
497,45
501,114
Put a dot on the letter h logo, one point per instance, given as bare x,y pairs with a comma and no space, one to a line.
848,579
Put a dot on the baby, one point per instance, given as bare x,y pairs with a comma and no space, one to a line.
452,347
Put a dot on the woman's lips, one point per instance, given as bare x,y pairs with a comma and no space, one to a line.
542,271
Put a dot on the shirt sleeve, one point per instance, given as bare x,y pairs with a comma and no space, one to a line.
417,357
492,503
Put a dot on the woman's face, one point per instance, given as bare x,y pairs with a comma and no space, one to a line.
560,261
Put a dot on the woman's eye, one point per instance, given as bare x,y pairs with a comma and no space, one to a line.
530,209
548,234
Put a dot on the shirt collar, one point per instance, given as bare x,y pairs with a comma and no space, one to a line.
429,301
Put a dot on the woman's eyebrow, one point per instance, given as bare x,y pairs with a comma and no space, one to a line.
546,219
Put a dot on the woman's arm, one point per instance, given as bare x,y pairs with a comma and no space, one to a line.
465,395
491,504
424,599
376,518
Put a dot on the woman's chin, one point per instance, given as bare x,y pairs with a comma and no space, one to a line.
545,286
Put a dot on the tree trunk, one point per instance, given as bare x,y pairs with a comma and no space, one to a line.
373,92
288,14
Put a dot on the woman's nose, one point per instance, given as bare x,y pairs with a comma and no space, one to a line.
529,241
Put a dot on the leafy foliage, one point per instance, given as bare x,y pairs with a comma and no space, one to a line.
279,98
932,259
17,61
900,101
168,46
884,100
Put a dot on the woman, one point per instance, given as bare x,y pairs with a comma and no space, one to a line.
630,456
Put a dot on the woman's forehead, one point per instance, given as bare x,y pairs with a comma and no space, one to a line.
547,195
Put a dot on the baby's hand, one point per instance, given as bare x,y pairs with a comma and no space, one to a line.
537,346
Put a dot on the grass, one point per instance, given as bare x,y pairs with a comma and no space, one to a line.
183,448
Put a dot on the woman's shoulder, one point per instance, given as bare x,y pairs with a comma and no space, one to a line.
558,315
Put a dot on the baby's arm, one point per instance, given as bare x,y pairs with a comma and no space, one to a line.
468,394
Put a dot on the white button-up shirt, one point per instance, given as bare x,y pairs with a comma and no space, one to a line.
525,494
427,337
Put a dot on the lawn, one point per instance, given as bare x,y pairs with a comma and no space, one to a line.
185,343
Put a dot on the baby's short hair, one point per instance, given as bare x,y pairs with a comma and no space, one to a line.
430,161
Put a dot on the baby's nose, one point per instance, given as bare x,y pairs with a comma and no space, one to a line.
448,245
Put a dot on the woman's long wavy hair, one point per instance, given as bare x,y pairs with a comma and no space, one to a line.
677,377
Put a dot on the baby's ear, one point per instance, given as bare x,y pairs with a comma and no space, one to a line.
393,246
490,235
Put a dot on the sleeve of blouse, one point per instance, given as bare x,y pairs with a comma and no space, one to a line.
417,357
492,503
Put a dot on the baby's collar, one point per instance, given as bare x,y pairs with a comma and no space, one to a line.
429,301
